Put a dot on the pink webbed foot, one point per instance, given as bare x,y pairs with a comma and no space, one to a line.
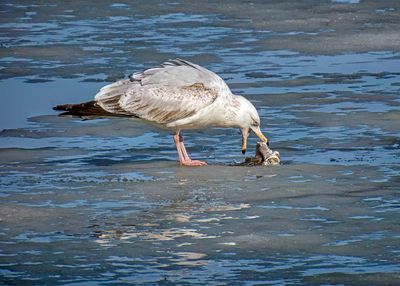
193,163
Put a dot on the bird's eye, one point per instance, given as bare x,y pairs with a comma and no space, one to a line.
254,123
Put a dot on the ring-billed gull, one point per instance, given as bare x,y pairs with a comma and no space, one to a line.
177,95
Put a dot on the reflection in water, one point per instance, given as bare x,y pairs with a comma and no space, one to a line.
184,214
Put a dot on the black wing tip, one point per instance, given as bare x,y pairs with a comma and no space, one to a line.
60,107
87,110
82,109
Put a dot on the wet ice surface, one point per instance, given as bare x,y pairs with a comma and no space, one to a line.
105,202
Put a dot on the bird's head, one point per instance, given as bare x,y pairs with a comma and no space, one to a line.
249,120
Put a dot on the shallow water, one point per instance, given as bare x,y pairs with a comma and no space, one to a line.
104,201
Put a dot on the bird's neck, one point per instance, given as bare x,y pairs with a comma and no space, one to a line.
229,112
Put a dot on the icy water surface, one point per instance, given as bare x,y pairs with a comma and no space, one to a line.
103,202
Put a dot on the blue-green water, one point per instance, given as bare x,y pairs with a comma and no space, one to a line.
100,202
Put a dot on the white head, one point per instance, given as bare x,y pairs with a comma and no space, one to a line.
248,120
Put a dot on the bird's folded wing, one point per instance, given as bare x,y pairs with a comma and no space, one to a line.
179,72
176,90
165,104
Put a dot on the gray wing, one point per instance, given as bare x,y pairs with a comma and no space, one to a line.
176,90
179,72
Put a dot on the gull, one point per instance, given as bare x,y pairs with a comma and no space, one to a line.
177,95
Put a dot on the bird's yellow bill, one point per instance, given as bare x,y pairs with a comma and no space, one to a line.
258,132
261,136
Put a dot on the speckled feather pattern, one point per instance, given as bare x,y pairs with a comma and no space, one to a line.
170,95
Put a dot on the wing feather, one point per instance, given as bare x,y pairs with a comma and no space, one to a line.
175,90
165,104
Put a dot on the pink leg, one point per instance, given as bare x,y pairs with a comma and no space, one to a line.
184,158
181,156
182,146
